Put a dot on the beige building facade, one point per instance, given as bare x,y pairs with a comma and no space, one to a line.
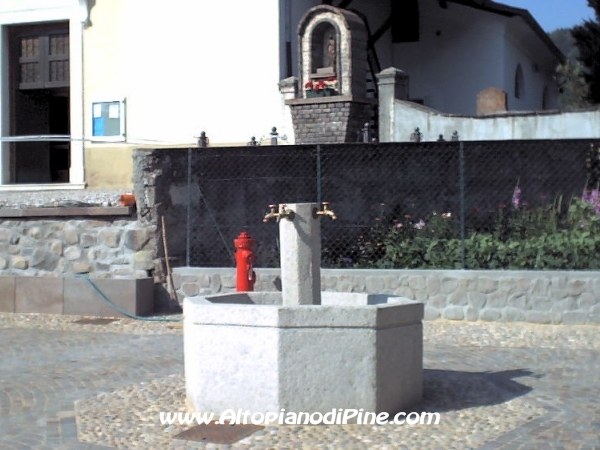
84,82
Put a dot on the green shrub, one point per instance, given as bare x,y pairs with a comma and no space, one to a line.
548,237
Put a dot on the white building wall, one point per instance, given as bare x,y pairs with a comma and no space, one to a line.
451,64
557,125
295,11
377,12
536,75
185,67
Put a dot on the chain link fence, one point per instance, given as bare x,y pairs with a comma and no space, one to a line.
500,204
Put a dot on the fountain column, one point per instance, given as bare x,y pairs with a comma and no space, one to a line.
300,241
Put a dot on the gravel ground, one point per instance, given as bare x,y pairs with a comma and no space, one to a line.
172,324
475,409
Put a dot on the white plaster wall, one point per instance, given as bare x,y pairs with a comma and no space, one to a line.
452,63
448,70
558,125
297,9
185,67
537,73
376,13
19,11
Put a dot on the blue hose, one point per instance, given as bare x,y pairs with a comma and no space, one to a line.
121,310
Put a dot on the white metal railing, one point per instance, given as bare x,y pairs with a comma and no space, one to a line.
38,138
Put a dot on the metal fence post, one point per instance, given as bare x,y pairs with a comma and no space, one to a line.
188,231
203,140
319,196
416,136
364,134
274,136
461,178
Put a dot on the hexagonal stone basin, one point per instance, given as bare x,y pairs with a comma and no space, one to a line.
247,351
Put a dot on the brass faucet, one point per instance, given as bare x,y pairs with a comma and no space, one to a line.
284,213
326,212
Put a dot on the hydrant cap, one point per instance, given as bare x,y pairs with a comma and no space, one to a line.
244,240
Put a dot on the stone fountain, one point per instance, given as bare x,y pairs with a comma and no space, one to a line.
301,349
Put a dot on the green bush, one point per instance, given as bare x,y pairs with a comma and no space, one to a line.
548,237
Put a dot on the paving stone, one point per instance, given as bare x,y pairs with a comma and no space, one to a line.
496,386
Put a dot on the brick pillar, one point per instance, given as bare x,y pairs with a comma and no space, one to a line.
329,120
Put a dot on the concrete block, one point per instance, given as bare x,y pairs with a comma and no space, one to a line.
135,296
497,299
471,313
374,284
448,285
431,313
512,314
438,302
7,294
576,287
575,318
541,286
587,300
467,284
507,285
433,285
523,284
594,318
538,317
454,313
541,303
487,285
190,289
518,300
39,295
477,299
417,282
458,298
490,315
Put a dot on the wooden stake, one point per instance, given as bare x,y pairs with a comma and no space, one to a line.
170,284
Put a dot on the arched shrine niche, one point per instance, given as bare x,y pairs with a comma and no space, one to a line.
324,50
333,46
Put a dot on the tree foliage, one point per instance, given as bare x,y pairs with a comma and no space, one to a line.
565,42
587,40
572,86
570,80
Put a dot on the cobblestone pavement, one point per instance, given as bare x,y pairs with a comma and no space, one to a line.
497,386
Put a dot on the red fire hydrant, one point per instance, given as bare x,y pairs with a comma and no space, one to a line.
244,258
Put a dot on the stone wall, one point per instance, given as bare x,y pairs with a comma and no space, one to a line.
103,248
68,232
552,297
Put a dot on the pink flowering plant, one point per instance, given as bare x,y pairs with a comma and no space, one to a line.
554,235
